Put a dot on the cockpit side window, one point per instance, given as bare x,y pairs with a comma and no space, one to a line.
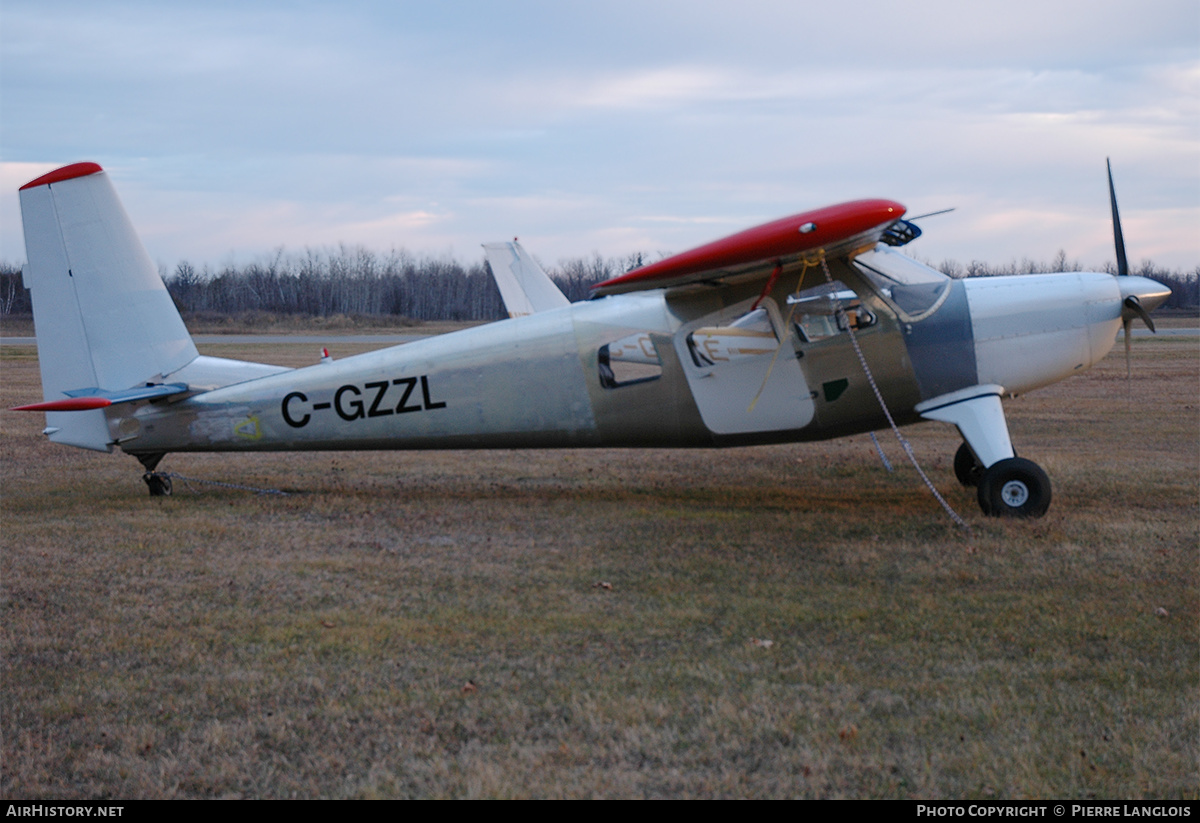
912,288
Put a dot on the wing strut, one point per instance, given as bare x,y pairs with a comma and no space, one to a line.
770,284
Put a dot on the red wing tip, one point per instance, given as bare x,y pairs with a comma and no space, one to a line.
70,404
65,173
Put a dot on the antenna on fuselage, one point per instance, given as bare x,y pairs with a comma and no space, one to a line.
932,213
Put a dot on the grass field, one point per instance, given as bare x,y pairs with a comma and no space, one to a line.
786,621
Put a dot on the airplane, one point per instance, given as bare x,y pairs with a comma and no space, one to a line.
810,327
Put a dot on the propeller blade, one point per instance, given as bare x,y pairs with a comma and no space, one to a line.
1126,323
1131,302
1118,237
1133,289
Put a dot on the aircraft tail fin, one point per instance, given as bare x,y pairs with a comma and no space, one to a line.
524,285
102,314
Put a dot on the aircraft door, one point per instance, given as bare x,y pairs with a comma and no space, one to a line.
742,371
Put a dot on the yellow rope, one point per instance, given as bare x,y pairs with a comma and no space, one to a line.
787,321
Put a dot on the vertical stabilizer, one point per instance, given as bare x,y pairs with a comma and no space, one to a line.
103,316
524,286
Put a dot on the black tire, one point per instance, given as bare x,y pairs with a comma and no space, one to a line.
159,484
1014,487
966,467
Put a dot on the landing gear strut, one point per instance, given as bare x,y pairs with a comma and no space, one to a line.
159,483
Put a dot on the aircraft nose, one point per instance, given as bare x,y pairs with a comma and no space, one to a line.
1149,294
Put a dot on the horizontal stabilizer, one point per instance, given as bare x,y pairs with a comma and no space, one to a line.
85,399
70,404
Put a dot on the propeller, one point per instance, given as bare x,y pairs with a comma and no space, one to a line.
1131,303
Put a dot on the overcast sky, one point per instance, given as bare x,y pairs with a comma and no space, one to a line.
231,129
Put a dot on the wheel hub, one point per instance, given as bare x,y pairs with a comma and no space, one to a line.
1014,493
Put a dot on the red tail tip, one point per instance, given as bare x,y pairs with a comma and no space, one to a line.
65,173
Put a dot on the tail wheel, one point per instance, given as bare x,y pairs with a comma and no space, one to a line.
159,484
1014,487
966,467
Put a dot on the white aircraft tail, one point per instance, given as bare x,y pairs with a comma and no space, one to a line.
524,286
103,317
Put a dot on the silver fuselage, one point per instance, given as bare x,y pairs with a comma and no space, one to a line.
542,380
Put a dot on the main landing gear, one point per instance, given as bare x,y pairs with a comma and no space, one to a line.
1007,485
1012,487
159,483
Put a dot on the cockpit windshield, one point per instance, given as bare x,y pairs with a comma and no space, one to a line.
914,289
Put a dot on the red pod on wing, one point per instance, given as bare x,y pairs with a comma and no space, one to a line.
787,237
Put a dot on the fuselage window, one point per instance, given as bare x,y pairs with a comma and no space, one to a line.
826,310
750,335
628,361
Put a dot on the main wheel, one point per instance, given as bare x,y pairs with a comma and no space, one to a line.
1014,487
966,467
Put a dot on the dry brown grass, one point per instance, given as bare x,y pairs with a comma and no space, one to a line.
229,644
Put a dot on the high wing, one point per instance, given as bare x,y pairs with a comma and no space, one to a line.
755,253
524,286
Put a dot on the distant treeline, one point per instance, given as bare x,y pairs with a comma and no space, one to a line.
358,281
347,281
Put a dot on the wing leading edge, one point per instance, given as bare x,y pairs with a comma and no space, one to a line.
833,230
